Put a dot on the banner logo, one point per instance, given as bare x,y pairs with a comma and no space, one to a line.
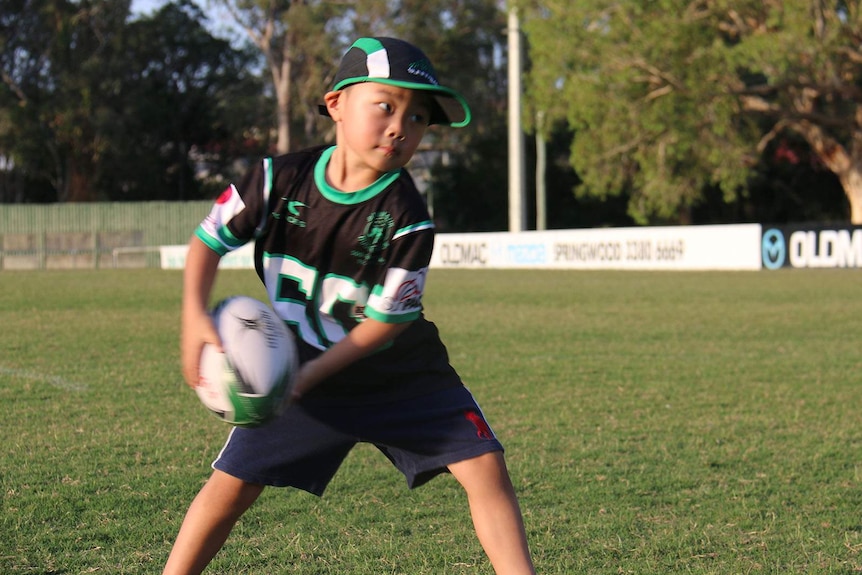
773,249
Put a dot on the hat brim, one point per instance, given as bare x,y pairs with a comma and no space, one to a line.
453,108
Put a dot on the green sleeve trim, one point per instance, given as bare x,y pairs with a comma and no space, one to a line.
211,242
228,239
385,318
426,225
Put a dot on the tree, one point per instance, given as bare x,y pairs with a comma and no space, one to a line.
93,107
670,98
292,36
25,40
188,98
53,55
813,89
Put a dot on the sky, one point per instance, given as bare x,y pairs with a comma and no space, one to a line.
146,6
218,21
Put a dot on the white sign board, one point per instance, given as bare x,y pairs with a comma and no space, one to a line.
733,247
174,258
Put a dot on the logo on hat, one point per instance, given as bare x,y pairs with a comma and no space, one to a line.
423,69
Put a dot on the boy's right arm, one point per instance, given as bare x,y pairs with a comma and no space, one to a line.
197,326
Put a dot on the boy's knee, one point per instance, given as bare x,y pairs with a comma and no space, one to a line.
485,470
237,493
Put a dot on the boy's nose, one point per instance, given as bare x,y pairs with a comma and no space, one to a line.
396,128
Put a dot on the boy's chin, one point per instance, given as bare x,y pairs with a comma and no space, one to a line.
390,164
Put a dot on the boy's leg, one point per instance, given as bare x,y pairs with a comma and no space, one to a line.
208,522
495,511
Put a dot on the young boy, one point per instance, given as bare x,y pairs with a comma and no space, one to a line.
343,243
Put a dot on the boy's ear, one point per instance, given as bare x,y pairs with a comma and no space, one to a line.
333,101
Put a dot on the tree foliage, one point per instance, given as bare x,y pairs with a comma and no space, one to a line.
54,55
93,106
192,101
96,105
297,47
668,99
681,110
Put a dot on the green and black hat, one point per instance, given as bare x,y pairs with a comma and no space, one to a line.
399,63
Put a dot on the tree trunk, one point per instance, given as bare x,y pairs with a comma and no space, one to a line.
279,69
281,81
844,163
852,183
80,187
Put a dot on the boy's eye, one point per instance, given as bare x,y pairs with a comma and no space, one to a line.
420,117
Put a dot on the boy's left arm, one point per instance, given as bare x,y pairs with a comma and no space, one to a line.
362,340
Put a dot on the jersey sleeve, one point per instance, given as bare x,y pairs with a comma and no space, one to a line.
239,214
397,298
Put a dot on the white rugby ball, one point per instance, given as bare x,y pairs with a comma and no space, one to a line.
245,384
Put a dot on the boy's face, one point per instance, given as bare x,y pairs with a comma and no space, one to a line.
379,126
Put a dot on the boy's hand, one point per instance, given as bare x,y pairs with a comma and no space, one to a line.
364,339
306,379
197,330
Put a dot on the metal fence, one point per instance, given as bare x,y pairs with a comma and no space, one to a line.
93,235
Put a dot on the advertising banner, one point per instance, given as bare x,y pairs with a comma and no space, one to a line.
732,247
811,247
174,258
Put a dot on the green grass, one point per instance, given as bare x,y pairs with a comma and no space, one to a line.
655,423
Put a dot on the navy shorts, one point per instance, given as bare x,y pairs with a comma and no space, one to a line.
306,445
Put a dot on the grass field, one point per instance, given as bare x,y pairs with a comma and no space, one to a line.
655,423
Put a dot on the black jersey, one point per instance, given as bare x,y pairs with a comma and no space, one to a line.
330,259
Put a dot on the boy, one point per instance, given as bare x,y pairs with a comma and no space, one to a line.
343,243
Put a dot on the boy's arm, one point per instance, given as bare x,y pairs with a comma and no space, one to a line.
197,326
362,340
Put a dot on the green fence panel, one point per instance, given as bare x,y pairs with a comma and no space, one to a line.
93,235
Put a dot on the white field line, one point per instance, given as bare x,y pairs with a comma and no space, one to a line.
53,380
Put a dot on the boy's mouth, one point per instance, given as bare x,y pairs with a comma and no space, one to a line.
389,151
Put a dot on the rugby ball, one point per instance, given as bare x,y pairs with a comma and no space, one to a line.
245,384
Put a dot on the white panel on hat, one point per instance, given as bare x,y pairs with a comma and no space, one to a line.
378,64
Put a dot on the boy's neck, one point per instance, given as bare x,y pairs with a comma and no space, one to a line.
346,178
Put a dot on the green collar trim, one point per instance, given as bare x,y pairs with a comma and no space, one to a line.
348,198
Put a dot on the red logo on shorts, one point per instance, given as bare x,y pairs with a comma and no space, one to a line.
482,429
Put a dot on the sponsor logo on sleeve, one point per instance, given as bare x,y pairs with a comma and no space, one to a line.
407,294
